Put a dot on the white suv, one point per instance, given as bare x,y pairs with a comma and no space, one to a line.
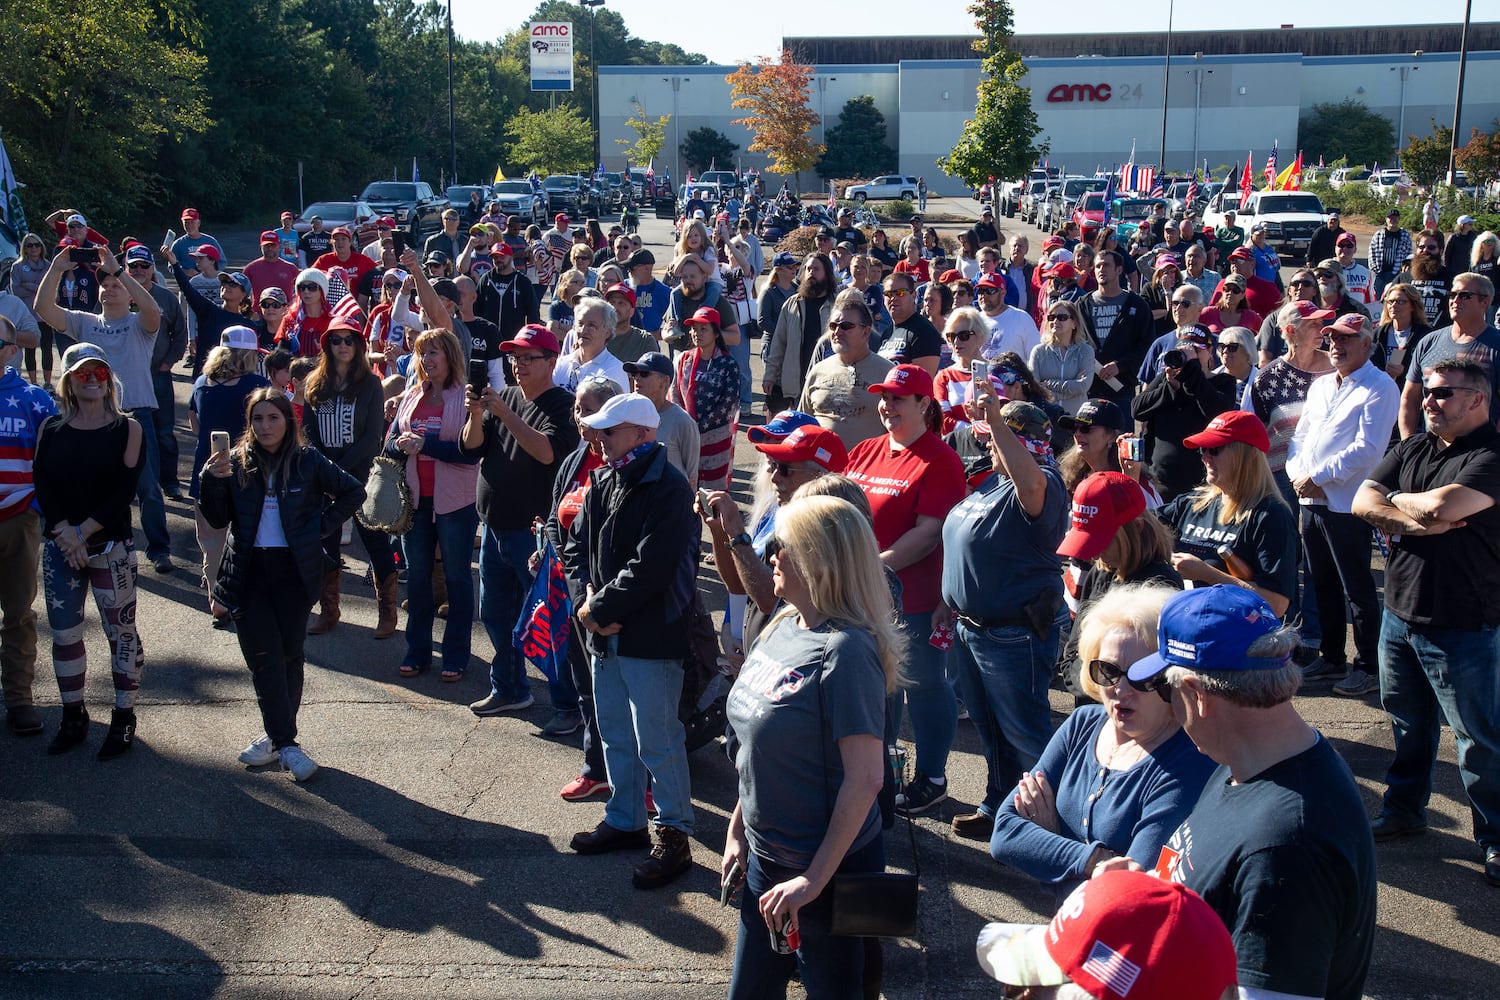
888,186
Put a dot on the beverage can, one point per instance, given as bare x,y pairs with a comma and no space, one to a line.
942,637
898,764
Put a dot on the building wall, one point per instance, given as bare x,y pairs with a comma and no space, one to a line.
1247,101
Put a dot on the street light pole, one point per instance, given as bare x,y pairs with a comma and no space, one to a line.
594,67
1166,85
452,130
1458,97
676,82
1198,72
1401,109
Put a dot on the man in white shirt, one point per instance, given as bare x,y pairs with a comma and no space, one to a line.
1010,329
1359,283
1341,437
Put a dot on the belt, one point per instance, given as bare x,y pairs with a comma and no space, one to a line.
979,624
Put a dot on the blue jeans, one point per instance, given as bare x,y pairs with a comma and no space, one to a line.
1302,611
636,700
925,687
831,968
1429,675
453,533
504,581
163,419
148,488
1005,673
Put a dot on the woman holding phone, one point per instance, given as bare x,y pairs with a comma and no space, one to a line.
216,412
343,405
273,492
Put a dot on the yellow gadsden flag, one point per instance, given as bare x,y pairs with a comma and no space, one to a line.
499,174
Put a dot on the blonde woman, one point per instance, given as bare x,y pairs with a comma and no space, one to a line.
808,711
1117,778
1239,508
430,417
1403,324
1064,360
560,314
1482,260
965,332
87,460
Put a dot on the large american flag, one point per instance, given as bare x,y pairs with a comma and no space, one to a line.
1137,179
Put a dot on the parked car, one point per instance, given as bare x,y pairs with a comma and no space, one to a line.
614,189
1011,191
458,194
1224,201
1127,214
638,181
1290,218
1031,202
411,203
572,194
1391,183
725,180
517,198
1089,214
1345,175
358,216
1062,199
889,186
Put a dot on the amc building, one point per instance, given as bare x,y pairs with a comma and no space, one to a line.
1095,95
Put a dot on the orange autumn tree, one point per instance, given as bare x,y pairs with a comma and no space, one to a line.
781,117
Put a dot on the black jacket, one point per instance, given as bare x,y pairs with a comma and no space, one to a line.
1125,343
314,495
1323,244
1173,413
637,546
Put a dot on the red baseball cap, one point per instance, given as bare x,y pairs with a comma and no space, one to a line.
1348,323
385,222
1226,428
287,215
1052,243
991,280
207,250
1168,260
1121,934
270,236
1346,239
1062,270
905,380
811,443
190,213
704,314
1102,504
341,231
535,336
952,274
625,290
1240,253
561,218
1311,310
502,250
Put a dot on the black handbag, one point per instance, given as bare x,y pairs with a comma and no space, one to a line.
871,904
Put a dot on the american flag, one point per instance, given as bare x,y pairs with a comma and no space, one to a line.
345,304
338,288
1157,191
1271,168
1116,972
1192,192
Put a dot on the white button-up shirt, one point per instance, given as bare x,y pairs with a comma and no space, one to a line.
1344,431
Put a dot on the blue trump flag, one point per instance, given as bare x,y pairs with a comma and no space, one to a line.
541,633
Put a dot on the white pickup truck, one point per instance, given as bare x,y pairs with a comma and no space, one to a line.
1290,218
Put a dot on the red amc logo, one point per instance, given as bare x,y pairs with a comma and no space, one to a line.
1079,93
559,30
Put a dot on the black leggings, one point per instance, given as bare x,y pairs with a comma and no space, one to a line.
46,349
377,546
271,627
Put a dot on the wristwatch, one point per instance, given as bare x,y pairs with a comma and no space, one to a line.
743,538
119,274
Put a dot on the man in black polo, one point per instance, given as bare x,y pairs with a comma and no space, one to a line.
985,233
1434,494
913,339
847,232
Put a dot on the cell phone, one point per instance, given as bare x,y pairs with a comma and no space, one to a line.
479,376
170,238
704,496
398,242
979,368
726,889
218,441
84,255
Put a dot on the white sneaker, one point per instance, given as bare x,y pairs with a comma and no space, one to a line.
296,760
259,752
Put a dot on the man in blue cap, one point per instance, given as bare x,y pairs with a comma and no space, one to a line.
651,375
1277,844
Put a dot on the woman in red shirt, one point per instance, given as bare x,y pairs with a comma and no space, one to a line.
914,263
912,480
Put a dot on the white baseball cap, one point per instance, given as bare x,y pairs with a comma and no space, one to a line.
628,408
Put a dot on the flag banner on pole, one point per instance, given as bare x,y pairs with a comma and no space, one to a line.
651,169
348,306
11,212
499,174
541,633
338,289
1290,178
1271,167
1247,182
415,175
833,201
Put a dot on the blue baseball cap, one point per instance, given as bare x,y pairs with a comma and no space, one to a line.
652,362
783,259
1210,628
139,253
780,426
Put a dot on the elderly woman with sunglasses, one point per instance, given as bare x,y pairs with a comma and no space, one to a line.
1064,360
1237,356
966,332
1116,778
1303,287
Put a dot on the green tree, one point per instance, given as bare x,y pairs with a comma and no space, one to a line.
856,145
554,141
705,147
999,140
91,93
1347,130
650,136
1480,157
1425,159
781,119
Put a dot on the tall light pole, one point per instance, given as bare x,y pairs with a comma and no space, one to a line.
1198,72
676,82
1458,97
452,131
1166,85
594,90
1404,71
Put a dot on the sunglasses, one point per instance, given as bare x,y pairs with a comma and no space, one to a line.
610,431
1228,348
1105,673
897,293
348,341
1342,338
961,336
1182,302
782,468
1300,282
1213,452
1058,317
308,286
139,265
1156,682
1441,392
1459,295
271,304
841,327
99,373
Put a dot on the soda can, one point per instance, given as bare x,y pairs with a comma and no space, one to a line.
785,940
942,637
898,765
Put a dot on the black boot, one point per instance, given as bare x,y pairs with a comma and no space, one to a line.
121,735
73,731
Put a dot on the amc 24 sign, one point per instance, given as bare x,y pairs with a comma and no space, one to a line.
1093,93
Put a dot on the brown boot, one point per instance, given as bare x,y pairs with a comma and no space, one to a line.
386,592
328,617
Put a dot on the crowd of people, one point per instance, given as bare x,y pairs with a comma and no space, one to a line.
979,476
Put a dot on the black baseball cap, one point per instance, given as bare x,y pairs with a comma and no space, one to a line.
640,257
1103,412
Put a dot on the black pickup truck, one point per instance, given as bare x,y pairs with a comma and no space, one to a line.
413,205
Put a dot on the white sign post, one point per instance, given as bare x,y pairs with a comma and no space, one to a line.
551,55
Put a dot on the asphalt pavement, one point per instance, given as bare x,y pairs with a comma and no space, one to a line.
429,857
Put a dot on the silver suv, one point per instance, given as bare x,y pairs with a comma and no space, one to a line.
888,186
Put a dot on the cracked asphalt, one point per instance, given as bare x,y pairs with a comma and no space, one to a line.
429,858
